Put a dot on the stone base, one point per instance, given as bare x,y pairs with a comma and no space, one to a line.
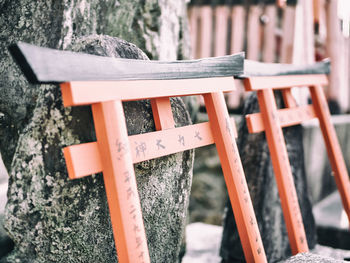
332,222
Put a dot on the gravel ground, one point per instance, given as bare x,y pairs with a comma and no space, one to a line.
203,245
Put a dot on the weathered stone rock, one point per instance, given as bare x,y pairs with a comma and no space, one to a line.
263,190
28,112
53,219
159,28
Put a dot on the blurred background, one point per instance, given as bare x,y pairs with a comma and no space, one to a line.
294,31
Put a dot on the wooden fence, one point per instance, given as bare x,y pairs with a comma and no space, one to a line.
299,33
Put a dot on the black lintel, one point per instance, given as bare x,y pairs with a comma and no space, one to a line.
255,69
45,65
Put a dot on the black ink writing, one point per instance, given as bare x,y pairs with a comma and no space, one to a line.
198,136
127,177
160,145
181,140
140,148
130,193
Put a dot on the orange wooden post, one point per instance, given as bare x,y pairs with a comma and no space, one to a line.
234,177
162,114
120,182
283,173
335,155
272,120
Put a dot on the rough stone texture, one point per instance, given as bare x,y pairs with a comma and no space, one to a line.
34,127
48,216
331,252
309,257
159,28
263,190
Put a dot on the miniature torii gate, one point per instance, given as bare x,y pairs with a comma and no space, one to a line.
115,152
271,120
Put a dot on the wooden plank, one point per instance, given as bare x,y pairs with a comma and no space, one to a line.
206,31
253,34
254,69
334,45
89,92
281,3
162,114
304,40
287,117
283,173
282,82
237,29
193,17
269,45
288,98
237,41
84,159
120,182
234,177
44,65
288,34
221,25
335,155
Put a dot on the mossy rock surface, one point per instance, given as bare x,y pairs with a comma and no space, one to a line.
53,219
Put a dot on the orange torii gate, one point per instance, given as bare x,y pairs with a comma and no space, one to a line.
115,152
272,120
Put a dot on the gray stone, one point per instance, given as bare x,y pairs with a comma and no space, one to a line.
332,222
319,172
203,243
159,28
309,257
6,244
263,190
53,219
331,252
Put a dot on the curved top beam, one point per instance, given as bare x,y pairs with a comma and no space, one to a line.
256,69
45,65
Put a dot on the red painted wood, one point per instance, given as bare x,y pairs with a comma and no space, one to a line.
89,92
162,114
120,182
115,152
84,159
335,155
283,173
283,82
234,177
272,120
287,117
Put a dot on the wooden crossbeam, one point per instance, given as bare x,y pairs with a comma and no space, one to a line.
84,159
89,92
287,117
